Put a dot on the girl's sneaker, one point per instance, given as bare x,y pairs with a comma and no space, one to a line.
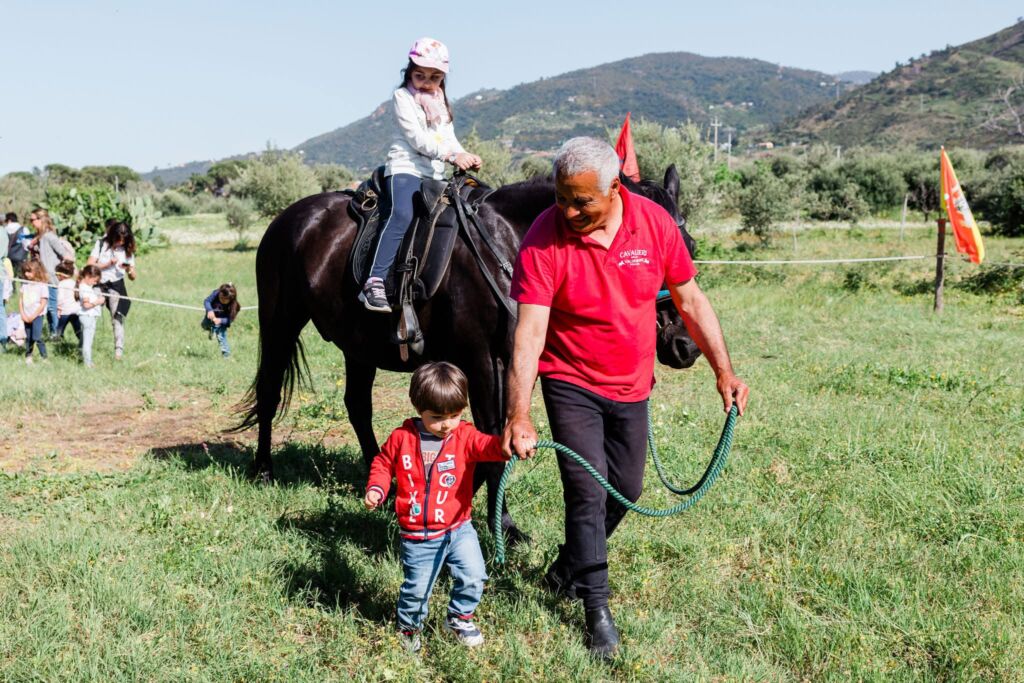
410,640
374,296
464,629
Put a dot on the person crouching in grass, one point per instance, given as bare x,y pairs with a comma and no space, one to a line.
432,458
222,308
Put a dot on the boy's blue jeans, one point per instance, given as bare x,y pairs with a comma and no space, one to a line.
422,562
221,332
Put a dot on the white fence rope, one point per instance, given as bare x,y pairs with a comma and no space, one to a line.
802,262
168,304
797,262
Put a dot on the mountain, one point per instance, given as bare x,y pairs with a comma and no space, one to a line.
668,88
174,175
950,96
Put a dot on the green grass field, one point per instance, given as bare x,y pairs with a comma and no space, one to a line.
869,525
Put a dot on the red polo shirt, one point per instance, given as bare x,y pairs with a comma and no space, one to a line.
602,332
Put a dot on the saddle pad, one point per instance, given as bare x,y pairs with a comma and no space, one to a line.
363,208
430,259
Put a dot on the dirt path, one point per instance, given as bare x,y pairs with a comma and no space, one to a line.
109,434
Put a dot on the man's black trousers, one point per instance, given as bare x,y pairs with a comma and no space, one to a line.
611,436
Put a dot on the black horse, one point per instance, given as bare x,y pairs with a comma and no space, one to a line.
303,274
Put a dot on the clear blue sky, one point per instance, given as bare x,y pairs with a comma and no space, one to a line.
149,84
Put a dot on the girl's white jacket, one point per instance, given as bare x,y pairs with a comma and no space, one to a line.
418,149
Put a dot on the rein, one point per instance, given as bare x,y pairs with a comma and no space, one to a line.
695,492
467,218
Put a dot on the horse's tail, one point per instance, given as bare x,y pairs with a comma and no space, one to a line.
281,363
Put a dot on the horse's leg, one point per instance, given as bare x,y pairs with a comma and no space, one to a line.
359,404
487,397
279,368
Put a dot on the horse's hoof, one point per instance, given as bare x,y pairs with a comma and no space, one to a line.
513,537
261,475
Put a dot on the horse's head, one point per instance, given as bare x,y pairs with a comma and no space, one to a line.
675,347
667,196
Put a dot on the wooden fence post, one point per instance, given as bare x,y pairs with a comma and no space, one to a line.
940,261
903,217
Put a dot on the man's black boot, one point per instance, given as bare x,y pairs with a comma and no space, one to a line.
558,578
602,636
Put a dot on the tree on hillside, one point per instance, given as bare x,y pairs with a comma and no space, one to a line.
276,179
499,166
107,175
333,176
1005,113
222,173
59,174
533,167
763,202
20,192
921,175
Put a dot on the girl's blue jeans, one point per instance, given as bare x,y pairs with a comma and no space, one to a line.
422,562
221,333
34,337
396,211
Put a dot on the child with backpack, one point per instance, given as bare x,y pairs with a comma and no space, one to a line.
68,305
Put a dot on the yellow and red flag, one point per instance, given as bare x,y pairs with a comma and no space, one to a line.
968,238
627,155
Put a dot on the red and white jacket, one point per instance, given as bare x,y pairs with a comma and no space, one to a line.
431,503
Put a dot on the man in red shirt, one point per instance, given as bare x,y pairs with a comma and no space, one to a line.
587,280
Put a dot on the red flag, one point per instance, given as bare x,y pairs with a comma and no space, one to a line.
627,155
968,239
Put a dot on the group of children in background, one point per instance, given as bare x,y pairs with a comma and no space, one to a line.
80,304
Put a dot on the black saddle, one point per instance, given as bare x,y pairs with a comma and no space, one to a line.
441,207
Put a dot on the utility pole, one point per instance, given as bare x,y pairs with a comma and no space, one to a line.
728,158
715,124
839,152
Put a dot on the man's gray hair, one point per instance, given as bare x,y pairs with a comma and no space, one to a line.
582,154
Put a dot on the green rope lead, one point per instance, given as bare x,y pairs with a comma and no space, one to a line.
696,492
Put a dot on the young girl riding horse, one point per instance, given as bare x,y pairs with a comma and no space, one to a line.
424,141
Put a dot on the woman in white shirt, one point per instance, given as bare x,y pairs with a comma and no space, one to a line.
424,140
114,255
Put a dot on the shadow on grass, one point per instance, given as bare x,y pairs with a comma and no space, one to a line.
345,571
294,463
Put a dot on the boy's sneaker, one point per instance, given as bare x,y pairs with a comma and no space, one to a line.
374,297
410,640
464,629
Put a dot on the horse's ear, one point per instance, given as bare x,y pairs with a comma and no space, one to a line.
672,183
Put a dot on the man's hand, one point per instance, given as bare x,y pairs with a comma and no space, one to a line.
520,438
373,499
732,388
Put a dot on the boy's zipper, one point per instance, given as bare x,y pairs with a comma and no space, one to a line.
429,476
